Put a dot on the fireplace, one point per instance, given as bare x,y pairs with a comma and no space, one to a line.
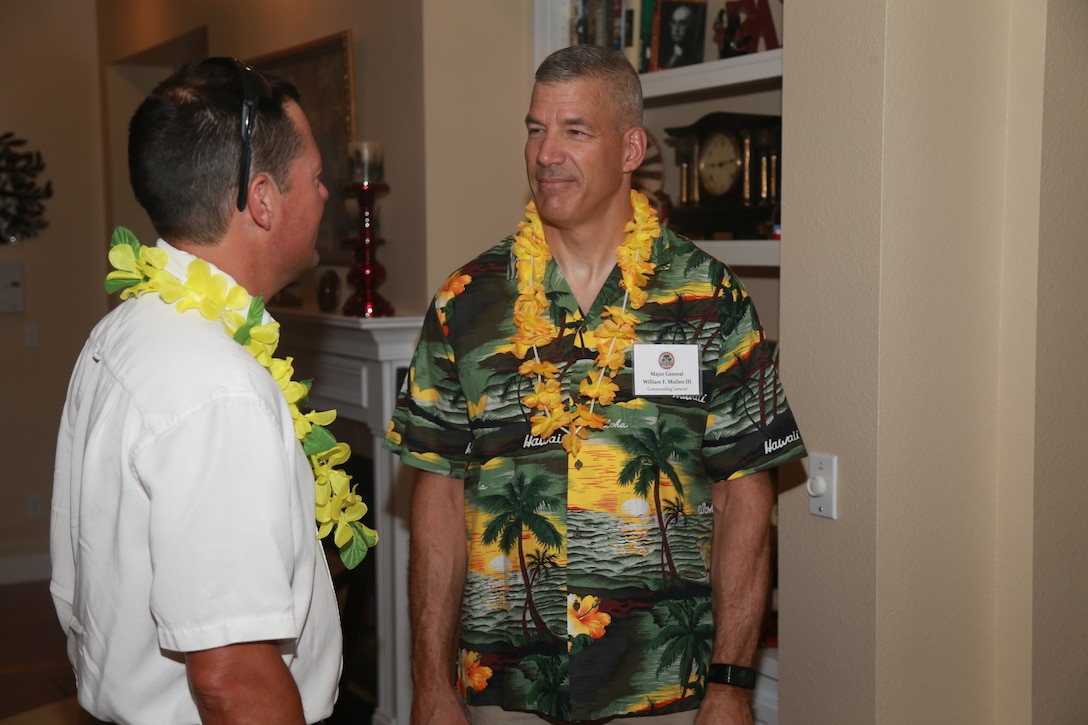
357,365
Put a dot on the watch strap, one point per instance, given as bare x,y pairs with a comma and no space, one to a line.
734,675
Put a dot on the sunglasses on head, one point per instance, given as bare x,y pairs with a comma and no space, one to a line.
254,87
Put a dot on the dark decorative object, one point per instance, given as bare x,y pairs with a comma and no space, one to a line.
328,290
730,167
21,206
741,25
366,274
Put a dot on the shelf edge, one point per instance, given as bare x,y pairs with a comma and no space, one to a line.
742,252
760,66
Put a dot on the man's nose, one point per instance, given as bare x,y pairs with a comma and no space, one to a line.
550,151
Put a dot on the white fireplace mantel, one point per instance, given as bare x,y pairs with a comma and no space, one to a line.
357,364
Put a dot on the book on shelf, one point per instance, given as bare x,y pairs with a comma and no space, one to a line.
608,23
658,34
646,33
616,31
591,22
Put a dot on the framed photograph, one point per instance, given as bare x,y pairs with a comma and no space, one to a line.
679,36
323,72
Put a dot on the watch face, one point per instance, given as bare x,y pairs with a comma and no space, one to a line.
719,163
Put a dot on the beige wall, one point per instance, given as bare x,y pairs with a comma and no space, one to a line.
478,78
1016,440
1060,575
50,99
830,306
940,363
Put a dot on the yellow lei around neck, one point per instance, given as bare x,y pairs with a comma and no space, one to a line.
613,336
141,270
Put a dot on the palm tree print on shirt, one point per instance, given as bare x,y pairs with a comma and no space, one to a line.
653,451
517,507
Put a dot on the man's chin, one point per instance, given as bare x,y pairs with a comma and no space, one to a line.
552,208
552,218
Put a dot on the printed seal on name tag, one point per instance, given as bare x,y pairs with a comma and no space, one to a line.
666,369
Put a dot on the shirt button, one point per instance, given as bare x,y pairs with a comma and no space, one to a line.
578,465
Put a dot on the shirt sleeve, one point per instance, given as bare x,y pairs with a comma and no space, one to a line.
430,425
223,493
750,426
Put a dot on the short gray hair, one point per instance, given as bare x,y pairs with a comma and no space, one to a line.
591,61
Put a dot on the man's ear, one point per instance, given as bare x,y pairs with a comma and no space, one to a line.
262,200
634,140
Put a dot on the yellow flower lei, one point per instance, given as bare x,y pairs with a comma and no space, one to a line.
140,270
613,336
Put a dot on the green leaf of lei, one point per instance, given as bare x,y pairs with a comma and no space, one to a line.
115,285
253,318
124,235
305,399
353,552
318,440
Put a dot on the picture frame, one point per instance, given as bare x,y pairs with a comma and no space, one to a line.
323,72
679,34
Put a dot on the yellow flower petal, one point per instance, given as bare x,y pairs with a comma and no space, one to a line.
124,260
546,423
616,333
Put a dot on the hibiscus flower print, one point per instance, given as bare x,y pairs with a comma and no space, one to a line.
584,616
471,674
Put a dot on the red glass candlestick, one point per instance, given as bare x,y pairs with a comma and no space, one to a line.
366,274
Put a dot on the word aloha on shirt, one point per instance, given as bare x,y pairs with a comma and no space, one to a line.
587,592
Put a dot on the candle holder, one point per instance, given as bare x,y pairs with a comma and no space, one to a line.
366,162
366,274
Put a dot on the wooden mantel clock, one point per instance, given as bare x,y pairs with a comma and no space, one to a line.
730,170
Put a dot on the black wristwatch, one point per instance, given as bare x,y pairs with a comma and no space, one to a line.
734,675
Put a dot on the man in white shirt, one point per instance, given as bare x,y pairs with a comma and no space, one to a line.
187,572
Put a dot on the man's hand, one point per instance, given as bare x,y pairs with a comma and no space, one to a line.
725,705
438,708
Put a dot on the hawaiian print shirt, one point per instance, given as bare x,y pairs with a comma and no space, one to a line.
588,593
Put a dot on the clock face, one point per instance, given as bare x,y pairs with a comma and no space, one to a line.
719,162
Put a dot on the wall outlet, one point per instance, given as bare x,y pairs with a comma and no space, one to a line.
35,508
11,286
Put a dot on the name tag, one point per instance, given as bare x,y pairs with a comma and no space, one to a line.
666,369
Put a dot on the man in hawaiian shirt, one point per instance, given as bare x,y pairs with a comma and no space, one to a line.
593,408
